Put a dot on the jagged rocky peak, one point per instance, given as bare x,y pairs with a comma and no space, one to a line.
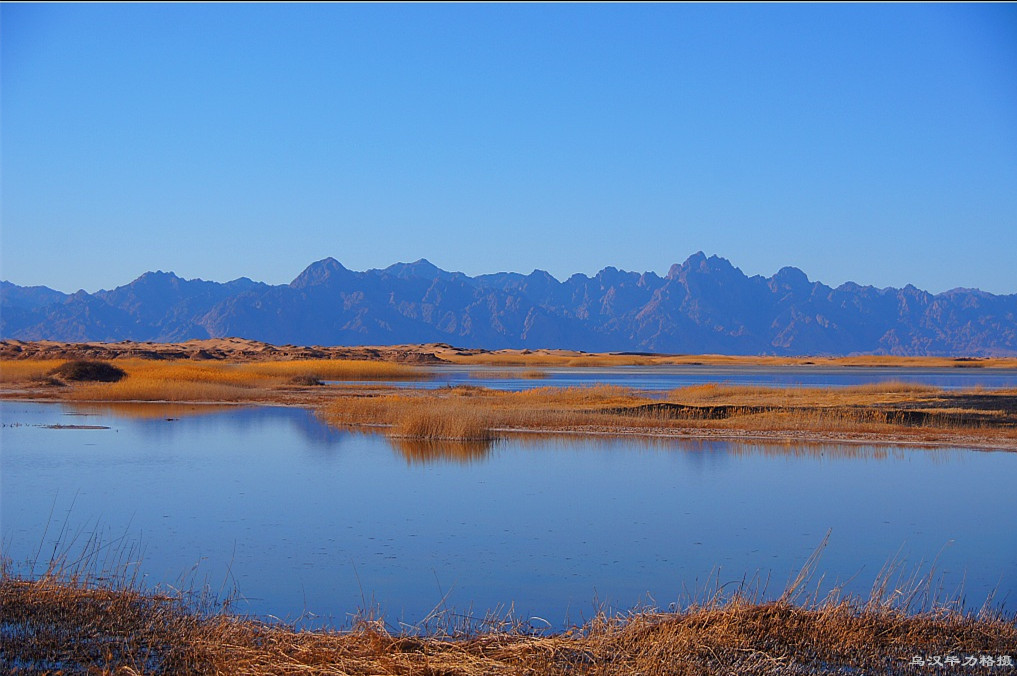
791,277
542,275
609,275
706,305
320,272
420,269
698,262
157,277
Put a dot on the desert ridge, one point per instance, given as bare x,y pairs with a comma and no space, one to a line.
236,349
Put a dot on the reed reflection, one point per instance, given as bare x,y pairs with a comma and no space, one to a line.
145,410
424,451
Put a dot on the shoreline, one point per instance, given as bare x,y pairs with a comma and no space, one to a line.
227,372
59,618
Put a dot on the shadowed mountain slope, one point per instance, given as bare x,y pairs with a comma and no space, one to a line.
704,305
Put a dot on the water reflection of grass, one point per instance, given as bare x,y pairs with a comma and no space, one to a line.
525,373
662,444
450,450
443,450
73,619
150,409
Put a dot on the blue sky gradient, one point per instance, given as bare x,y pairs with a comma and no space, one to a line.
871,144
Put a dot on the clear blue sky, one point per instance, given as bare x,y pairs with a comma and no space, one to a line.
876,144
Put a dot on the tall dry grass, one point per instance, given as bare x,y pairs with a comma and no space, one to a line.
476,413
26,370
175,380
442,419
896,410
181,380
65,622
752,395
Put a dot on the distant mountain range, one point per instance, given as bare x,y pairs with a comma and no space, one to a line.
704,305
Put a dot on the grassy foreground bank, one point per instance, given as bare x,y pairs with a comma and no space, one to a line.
65,624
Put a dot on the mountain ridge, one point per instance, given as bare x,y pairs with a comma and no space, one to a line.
704,304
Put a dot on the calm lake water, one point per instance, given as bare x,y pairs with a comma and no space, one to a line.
670,377
302,518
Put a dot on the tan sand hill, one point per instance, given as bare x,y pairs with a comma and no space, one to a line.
242,349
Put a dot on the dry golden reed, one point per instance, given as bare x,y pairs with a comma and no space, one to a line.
899,411
895,410
67,623
26,370
443,420
180,380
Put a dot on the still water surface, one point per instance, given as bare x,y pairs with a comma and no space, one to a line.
667,377
302,518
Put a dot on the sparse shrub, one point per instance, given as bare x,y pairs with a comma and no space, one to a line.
87,370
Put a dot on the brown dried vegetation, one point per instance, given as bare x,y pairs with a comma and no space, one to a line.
70,624
893,410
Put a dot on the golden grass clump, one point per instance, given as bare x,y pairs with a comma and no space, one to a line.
415,417
592,394
437,419
870,393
